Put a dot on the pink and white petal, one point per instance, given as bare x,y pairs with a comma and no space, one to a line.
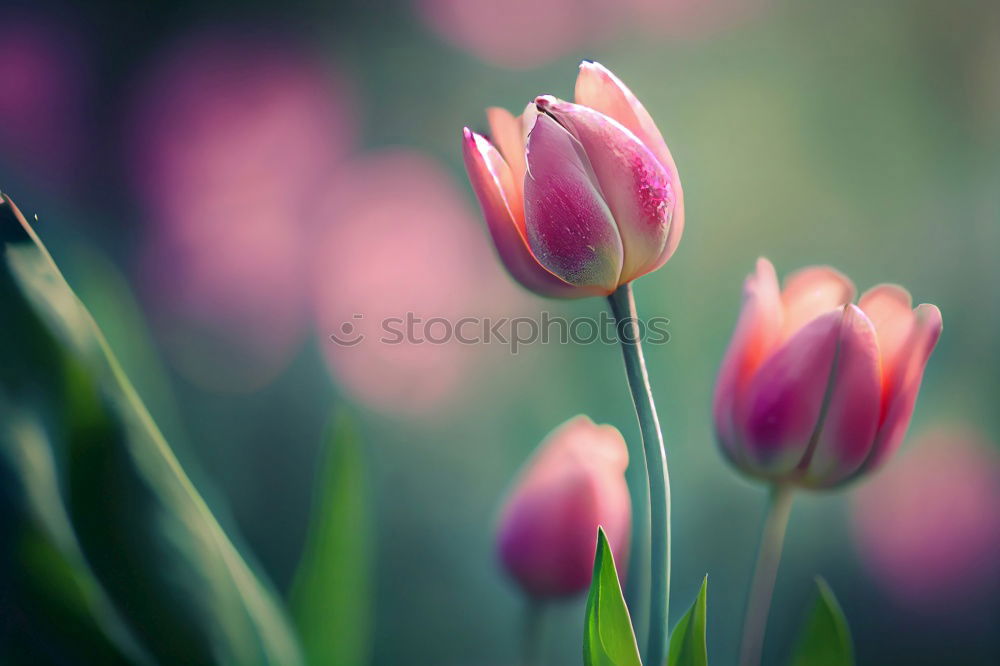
904,385
890,308
811,292
510,139
755,336
637,188
570,228
676,227
491,181
782,406
527,120
598,88
854,406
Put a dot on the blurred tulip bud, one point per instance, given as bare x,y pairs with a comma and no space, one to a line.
575,482
815,390
579,198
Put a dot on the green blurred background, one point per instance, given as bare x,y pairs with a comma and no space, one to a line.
863,135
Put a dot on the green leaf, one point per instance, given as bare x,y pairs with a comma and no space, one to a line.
825,639
49,579
333,585
608,639
688,646
152,562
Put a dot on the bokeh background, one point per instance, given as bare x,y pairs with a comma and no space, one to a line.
226,183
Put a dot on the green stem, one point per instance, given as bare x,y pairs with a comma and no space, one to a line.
623,306
637,578
762,587
531,632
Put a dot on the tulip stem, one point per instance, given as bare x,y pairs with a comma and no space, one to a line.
531,646
762,587
657,524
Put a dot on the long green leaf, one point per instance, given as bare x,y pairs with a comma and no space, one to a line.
165,568
825,639
688,644
331,595
608,638
44,569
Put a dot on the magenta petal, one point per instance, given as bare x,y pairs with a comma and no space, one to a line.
636,186
854,406
548,526
755,335
545,543
904,384
498,196
785,397
569,227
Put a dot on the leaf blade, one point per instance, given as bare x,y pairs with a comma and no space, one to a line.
146,533
688,642
333,584
825,639
608,637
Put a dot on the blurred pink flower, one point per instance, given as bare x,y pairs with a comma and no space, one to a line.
579,198
689,19
43,80
815,390
399,238
928,527
573,484
518,34
230,138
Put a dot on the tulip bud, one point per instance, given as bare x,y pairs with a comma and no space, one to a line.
574,483
815,390
580,198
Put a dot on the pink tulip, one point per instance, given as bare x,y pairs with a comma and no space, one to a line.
548,526
579,198
815,390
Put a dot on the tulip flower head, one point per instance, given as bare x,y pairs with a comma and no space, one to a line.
815,390
579,198
575,483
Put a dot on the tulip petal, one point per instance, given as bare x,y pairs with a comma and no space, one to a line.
598,88
582,442
904,383
810,292
784,400
545,539
854,406
548,528
527,120
494,187
755,336
890,308
637,188
509,138
569,227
